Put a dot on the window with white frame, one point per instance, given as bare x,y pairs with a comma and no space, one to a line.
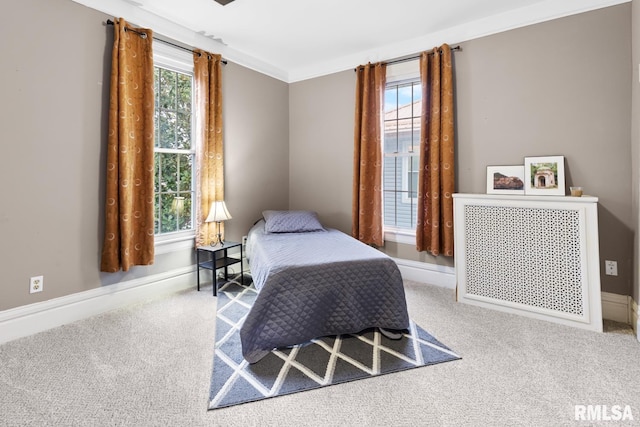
174,187
401,144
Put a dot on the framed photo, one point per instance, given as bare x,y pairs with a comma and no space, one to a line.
505,179
544,175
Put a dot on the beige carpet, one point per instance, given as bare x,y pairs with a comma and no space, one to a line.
149,365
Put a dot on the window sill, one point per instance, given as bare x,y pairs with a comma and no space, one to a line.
400,236
174,242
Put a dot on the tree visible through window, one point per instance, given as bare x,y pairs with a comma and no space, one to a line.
174,151
403,103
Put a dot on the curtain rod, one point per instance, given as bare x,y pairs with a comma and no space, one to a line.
143,35
411,58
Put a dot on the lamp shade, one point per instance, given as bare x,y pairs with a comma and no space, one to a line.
218,212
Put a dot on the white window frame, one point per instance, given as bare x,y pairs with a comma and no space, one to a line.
397,73
175,59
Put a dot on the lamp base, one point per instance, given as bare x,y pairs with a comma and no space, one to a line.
217,242
219,238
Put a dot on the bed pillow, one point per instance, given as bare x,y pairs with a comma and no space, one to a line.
291,221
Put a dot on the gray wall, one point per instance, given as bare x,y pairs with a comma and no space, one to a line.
56,61
256,138
321,147
555,88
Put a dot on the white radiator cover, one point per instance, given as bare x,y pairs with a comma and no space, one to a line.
532,255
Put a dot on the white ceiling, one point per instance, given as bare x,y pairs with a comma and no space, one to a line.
298,39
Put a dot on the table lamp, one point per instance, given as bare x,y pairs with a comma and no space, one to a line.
218,213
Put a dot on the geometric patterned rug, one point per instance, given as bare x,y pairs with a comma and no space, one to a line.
321,362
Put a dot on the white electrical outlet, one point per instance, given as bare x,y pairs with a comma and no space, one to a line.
35,284
611,268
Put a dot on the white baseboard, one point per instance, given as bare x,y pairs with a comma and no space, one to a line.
423,272
635,318
616,307
38,317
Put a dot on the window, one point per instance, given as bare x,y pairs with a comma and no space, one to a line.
174,151
174,154
401,143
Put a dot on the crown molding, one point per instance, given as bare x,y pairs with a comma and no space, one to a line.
536,13
539,12
135,15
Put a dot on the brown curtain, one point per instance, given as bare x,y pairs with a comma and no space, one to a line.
434,231
366,215
129,207
210,170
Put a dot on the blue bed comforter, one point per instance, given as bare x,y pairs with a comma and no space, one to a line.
317,284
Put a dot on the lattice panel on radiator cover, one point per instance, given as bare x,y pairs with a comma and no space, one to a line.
529,256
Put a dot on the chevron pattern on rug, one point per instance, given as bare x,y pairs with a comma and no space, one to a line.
321,362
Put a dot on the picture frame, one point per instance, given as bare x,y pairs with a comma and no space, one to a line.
544,175
505,179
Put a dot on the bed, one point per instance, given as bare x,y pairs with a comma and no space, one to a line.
314,281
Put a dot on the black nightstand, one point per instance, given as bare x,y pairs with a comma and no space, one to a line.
218,258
